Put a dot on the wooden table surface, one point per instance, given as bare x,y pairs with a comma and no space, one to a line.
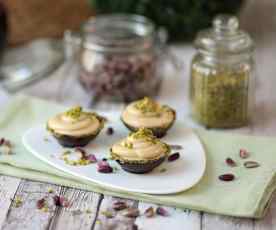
259,18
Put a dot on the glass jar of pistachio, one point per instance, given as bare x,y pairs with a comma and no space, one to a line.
223,75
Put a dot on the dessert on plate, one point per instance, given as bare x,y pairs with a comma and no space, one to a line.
140,152
147,113
75,127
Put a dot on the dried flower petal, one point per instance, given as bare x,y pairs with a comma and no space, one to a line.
173,157
119,205
149,212
2,140
132,213
61,201
244,153
251,164
163,170
104,167
230,162
227,177
162,212
176,147
40,203
91,157
134,227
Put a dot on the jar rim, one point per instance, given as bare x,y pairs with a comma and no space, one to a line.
118,33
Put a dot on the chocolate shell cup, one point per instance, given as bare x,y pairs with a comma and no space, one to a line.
157,131
140,168
72,142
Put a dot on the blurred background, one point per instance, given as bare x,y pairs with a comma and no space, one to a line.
31,19
33,33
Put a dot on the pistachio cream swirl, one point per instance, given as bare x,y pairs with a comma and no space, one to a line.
148,113
75,122
139,146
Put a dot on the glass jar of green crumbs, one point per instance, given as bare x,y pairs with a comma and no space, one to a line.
223,75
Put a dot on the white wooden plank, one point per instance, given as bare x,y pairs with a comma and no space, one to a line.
118,221
27,215
80,214
177,219
8,188
210,222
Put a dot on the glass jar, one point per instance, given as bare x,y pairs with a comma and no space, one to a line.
223,75
120,57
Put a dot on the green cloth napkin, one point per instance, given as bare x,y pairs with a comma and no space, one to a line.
248,195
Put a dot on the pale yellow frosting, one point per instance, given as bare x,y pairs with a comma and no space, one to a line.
140,147
84,124
150,115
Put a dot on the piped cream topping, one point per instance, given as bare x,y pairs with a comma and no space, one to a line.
75,122
148,113
141,145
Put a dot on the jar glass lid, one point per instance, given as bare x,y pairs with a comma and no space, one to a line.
224,37
118,33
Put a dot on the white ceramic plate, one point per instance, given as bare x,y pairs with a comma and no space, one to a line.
180,175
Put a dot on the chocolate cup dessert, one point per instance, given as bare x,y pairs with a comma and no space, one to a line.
157,131
148,111
75,128
136,159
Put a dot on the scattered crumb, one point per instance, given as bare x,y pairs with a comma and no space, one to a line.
107,214
45,209
88,211
50,190
98,222
17,202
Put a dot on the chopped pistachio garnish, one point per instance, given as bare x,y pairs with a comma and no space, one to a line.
127,144
141,133
74,113
76,162
147,105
